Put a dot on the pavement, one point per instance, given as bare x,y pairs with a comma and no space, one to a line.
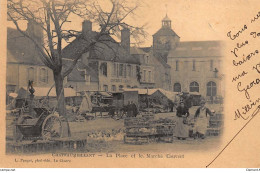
106,124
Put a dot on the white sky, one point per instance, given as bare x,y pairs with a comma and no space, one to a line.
192,20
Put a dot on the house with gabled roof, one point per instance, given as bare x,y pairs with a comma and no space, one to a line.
23,60
108,66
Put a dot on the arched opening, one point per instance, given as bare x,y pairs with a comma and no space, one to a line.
194,87
211,89
177,87
121,87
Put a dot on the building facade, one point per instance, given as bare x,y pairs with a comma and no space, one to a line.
23,62
197,67
147,68
165,39
106,67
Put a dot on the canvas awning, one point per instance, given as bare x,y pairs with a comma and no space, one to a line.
43,91
14,95
142,91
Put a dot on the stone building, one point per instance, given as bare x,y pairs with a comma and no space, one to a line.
23,61
108,66
165,39
147,67
196,67
162,71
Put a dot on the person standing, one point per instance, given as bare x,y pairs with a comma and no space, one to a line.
129,109
202,116
182,130
134,109
188,99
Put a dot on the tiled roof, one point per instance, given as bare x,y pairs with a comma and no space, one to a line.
137,51
161,60
165,31
157,56
146,49
20,49
195,49
78,73
105,50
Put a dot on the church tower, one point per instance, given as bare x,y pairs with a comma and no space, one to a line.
165,39
166,22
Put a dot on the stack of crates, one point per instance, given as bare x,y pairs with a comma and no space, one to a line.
139,130
146,129
165,129
215,125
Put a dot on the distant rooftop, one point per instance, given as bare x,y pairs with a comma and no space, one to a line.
194,49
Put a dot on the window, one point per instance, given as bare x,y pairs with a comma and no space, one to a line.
114,70
166,77
121,69
113,88
129,70
194,87
177,65
147,59
144,75
31,73
211,89
105,87
44,75
121,87
103,68
211,65
149,76
128,86
177,87
193,65
124,68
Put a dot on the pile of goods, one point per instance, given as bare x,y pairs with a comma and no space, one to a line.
146,129
165,126
215,124
106,135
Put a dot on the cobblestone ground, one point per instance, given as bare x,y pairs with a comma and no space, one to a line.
100,125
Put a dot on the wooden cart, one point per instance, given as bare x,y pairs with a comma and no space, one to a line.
45,125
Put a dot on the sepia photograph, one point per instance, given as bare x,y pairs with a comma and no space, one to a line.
96,88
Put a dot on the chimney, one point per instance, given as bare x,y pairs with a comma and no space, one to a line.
125,39
86,27
35,31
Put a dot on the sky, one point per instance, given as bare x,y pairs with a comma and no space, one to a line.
192,20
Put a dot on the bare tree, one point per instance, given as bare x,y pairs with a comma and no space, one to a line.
52,15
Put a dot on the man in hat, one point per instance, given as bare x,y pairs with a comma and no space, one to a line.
202,116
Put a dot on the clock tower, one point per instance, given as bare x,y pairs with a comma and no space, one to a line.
165,39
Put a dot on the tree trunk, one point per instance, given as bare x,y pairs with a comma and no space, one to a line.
61,103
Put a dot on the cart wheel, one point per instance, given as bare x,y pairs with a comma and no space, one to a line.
51,127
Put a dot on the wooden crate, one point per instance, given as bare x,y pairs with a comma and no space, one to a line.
137,140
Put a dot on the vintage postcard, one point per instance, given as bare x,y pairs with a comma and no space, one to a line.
130,83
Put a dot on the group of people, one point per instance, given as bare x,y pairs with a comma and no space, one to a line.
201,120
